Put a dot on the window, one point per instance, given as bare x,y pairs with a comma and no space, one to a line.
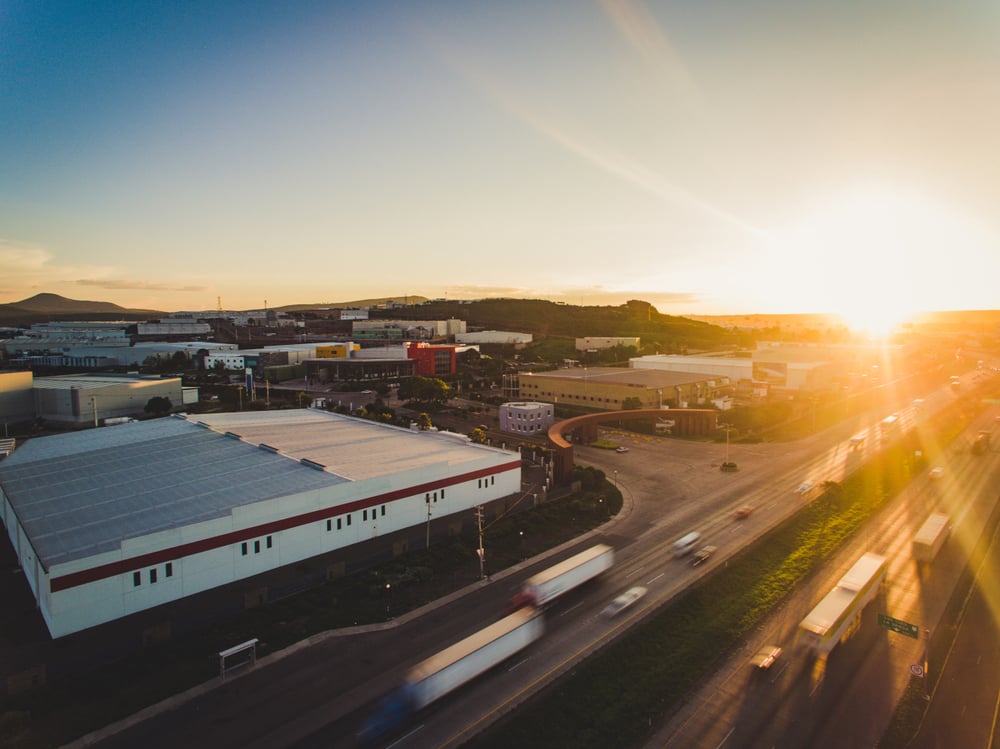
383,510
442,494
152,575
137,579
243,548
364,514
169,569
269,542
256,547
348,519
340,523
329,524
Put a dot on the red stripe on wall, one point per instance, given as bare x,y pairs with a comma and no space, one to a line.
74,579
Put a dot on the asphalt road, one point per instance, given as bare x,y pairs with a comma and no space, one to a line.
848,700
318,695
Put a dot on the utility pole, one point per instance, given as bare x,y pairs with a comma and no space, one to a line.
481,551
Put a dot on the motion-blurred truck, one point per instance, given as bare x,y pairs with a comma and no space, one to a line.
446,671
549,584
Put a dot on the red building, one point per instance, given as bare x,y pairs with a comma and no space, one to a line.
430,360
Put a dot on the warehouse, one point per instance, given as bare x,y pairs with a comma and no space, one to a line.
112,521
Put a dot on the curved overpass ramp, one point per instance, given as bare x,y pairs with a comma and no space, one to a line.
583,429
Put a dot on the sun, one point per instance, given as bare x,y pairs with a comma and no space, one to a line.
866,252
874,321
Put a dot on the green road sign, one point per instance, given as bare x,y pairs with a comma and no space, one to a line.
898,625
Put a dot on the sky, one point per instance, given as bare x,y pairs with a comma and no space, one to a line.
732,157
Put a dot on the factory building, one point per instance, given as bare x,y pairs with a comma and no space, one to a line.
608,388
92,398
113,521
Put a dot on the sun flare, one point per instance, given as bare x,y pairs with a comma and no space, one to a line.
870,249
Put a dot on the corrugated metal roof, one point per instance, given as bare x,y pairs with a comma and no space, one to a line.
352,448
84,493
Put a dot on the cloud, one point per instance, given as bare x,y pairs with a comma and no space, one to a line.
121,284
22,257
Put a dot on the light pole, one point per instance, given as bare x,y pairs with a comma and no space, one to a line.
481,551
521,534
388,588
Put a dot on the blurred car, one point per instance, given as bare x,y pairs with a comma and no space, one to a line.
765,657
805,487
936,472
621,449
702,555
729,466
743,512
623,601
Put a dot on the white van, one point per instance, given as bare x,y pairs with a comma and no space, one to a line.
685,544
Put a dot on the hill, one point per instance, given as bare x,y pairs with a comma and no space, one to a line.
352,305
52,307
551,319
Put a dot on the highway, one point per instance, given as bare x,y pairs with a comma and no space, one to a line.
318,695
849,699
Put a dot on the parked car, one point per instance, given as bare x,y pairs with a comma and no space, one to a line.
702,555
623,601
621,449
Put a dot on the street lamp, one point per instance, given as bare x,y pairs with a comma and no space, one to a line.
388,587
521,534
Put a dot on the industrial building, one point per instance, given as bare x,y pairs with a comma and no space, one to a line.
92,398
608,388
771,369
598,343
112,521
499,337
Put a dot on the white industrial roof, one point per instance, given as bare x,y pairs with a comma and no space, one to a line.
84,493
352,448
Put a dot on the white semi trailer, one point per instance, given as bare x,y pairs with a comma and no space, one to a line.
551,583
449,669
931,537
839,613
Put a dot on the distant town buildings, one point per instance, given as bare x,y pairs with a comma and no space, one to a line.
597,343
500,337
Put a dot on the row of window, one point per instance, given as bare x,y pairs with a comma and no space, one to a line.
339,522
527,427
154,573
245,546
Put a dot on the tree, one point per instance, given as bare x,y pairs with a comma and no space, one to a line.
424,422
424,390
158,405
478,436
